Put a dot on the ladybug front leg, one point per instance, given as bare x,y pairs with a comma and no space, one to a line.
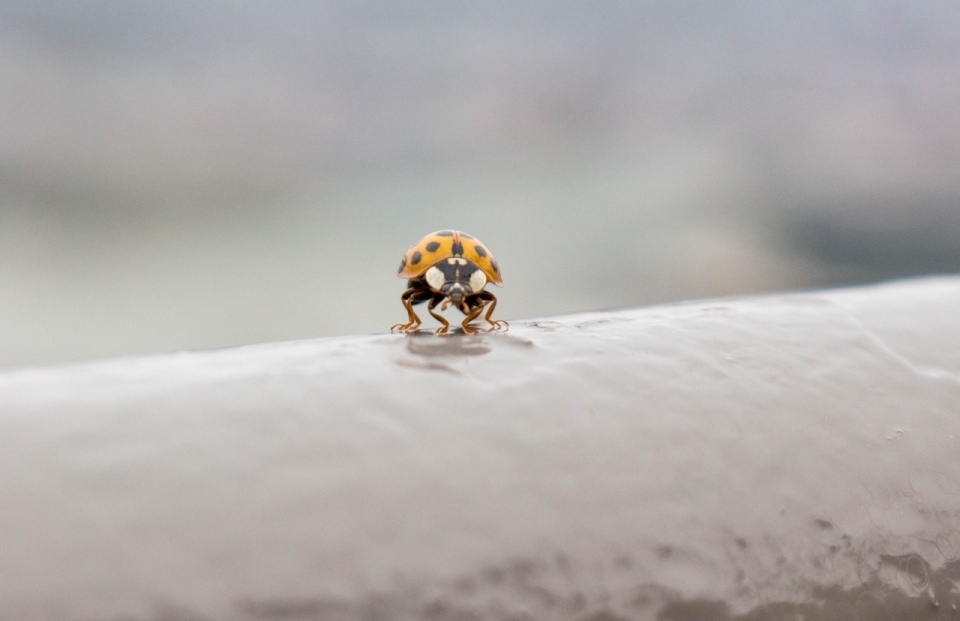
446,324
409,298
473,314
496,324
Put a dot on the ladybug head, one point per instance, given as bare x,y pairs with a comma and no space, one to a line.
456,278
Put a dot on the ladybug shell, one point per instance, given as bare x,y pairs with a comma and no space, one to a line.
441,245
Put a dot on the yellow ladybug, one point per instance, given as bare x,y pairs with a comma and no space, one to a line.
450,267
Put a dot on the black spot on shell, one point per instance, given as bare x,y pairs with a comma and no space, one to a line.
493,264
415,258
466,235
403,264
481,251
444,233
432,246
457,249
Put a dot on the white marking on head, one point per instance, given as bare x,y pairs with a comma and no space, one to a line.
435,278
456,261
477,281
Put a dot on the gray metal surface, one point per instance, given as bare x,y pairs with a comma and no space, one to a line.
780,457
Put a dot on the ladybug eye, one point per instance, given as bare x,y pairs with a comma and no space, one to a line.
435,278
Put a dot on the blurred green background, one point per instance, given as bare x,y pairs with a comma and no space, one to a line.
183,175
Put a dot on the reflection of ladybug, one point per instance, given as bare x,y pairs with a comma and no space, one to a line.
450,267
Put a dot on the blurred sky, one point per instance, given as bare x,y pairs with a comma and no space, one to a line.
184,175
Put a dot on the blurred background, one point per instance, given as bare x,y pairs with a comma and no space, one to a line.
185,175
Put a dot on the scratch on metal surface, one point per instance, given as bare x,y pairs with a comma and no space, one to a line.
931,372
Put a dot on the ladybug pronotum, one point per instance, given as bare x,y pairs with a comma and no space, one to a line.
451,267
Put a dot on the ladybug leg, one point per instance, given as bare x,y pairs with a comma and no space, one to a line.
496,324
446,324
474,313
409,298
471,307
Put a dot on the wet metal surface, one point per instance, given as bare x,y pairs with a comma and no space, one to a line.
785,457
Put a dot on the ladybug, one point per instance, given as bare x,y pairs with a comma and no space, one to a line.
451,267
